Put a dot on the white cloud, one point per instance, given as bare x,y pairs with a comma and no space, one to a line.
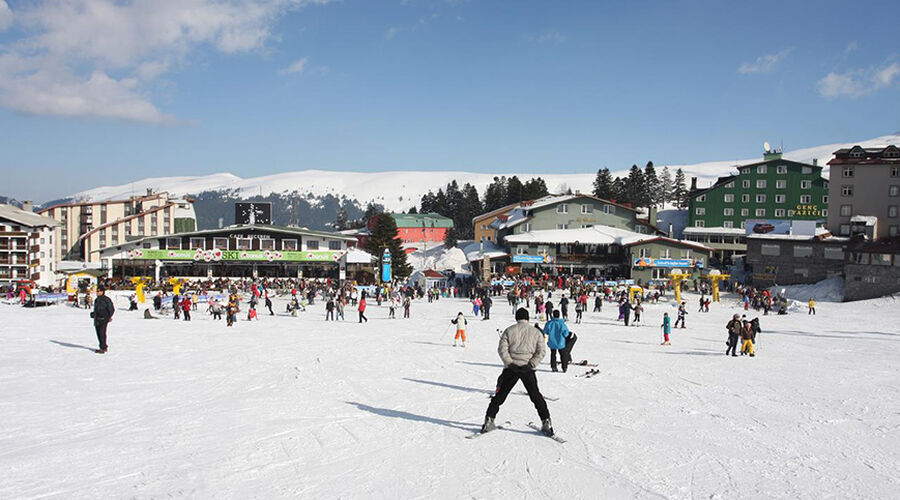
391,33
858,82
852,46
98,58
6,16
294,68
764,64
553,37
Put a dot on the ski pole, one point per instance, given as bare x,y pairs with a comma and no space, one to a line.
445,329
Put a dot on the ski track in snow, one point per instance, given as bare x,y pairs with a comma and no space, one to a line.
302,408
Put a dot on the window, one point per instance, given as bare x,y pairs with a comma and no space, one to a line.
807,170
267,244
728,212
859,258
220,243
644,252
729,198
895,172
686,254
562,226
847,190
805,184
699,223
825,200
526,228
802,251
770,250
289,245
847,172
244,243
881,259
587,209
779,212
856,154
801,271
805,199
198,243
700,211
824,212
892,211
745,198
846,210
781,169
730,185
760,184
760,212
834,253
312,244
779,198
542,250
745,171
893,231
760,198
521,250
780,184
894,191
585,226
844,229
728,224
609,209
701,198
745,212
745,183
173,243
334,245
761,169
562,208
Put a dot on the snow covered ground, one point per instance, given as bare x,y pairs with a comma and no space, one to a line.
300,408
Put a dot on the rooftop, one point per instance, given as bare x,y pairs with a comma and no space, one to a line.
25,217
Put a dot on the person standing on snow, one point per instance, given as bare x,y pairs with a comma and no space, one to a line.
747,337
682,312
329,309
812,307
486,306
392,308
102,315
521,349
362,309
269,304
734,328
461,324
579,310
560,340
564,307
406,304
186,307
666,328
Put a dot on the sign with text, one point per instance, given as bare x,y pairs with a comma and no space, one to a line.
532,259
673,263
216,255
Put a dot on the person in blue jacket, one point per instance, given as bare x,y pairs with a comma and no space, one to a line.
560,341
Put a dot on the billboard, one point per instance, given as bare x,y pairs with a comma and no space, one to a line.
768,226
673,263
253,213
532,259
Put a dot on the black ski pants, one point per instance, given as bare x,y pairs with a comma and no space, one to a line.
508,379
565,354
100,327
733,341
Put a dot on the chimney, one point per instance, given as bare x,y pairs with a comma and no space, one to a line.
815,162
221,222
28,206
693,183
651,215
671,231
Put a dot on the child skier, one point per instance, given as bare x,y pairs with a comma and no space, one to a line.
666,328
747,337
460,323
681,314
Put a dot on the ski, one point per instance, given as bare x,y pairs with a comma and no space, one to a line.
583,363
589,373
523,393
478,433
553,437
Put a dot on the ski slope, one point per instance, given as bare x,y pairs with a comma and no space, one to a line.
300,408
399,190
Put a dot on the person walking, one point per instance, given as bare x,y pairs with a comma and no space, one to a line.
339,307
521,349
734,328
186,307
329,309
682,312
598,303
269,304
361,309
102,315
579,310
560,340
461,324
406,304
392,308
486,307
666,328
747,337
638,311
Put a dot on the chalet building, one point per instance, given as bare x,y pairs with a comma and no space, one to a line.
27,246
864,193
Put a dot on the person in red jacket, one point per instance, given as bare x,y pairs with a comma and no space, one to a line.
186,307
362,310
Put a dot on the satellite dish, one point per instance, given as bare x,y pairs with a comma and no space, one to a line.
767,147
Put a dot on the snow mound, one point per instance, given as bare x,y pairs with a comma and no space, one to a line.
829,290
439,259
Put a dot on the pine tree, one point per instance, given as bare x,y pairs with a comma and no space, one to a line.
634,186
514,191
603,184
651,185
533,189
665,187
619,191
413,210
469,207
454,199
341,223
427,203
372,210
679,191
441,204
495,194
450,238
384,236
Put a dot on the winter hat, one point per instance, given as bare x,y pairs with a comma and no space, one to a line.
521,314
101,288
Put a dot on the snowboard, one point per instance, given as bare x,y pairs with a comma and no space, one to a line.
553,437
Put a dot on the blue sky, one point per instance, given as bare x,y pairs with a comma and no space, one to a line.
96,92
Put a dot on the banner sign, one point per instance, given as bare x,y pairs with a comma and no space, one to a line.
532,259
216,255
651,262
51,296
768,226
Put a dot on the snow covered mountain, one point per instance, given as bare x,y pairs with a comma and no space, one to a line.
399,190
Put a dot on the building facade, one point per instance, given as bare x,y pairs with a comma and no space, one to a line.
576,211
872,269
235,251
485,229
27,247
793,259
654,259
865,183
421,228
86,227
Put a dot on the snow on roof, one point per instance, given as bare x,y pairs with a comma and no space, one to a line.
491,251
673,241
25,217
595,235
821,234
869,220
357,256
715,230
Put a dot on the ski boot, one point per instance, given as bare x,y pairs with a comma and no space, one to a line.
547,427
488,425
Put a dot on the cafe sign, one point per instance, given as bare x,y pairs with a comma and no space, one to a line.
218,255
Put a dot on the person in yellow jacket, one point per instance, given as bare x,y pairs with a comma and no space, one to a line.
812,307
747,337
